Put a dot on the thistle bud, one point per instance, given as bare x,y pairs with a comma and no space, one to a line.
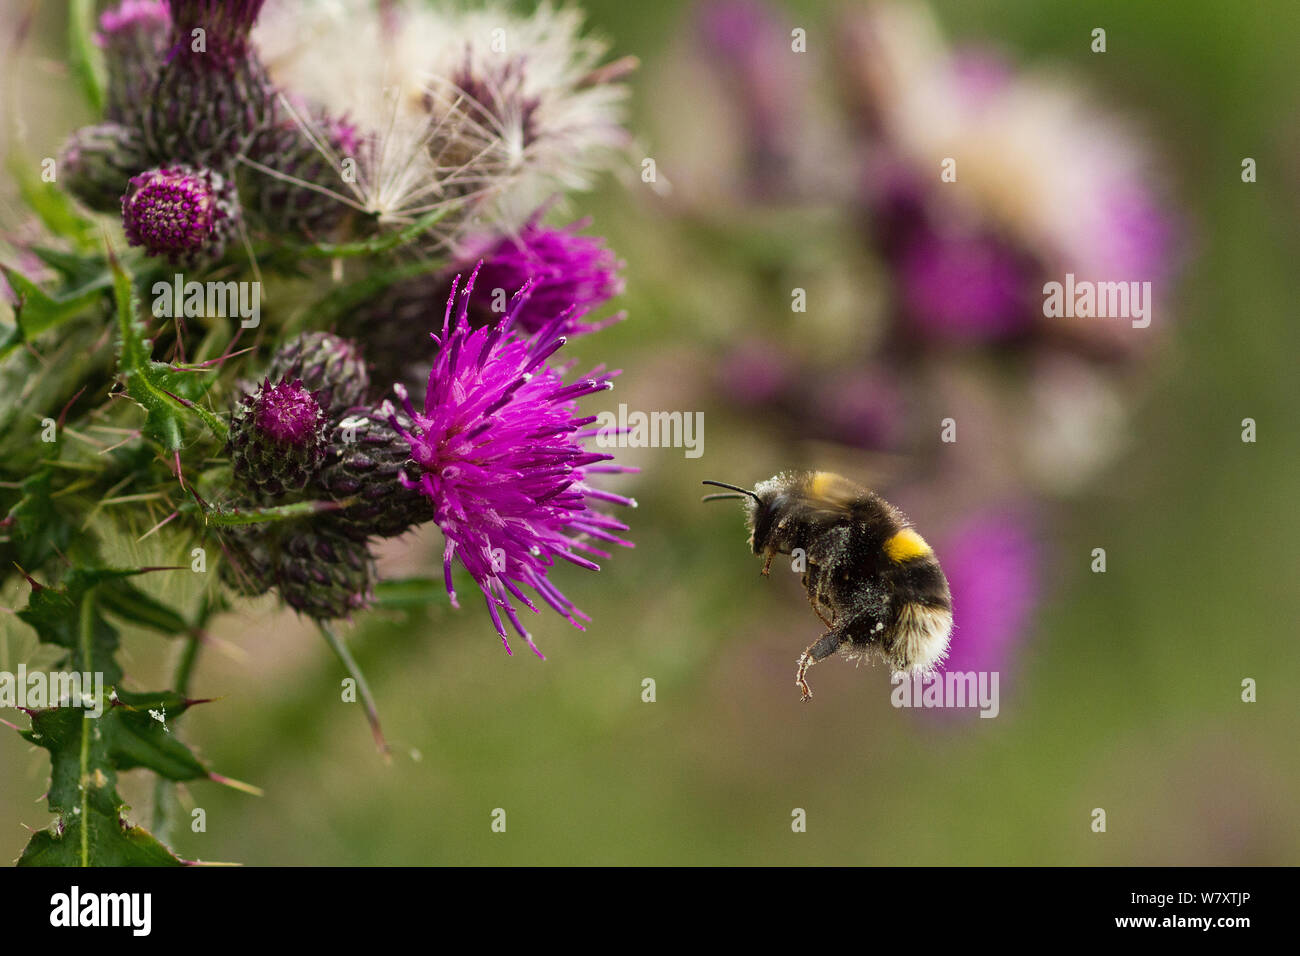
331,368
249,565
317,569
299,201
98,162
211,96
183,213
364,459
277,438
133,36
324,573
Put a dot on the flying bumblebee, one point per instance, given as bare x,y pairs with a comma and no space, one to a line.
870,577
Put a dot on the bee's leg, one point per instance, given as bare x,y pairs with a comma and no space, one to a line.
812,584
819,650
817,609
767,563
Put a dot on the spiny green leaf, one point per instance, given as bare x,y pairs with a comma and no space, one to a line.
165,395
105,841
65,616
86,751
39,312
139,736
51,203
126,601
59,615
39,529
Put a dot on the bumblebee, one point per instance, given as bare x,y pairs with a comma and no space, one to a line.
870,577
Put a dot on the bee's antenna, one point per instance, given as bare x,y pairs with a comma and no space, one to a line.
744,492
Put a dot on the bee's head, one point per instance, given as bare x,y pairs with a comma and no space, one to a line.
763,508
770,504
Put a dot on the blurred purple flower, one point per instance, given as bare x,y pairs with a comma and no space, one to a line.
959,286
749,49
1043,183
132,16
755,372
499,447
992,561
861,407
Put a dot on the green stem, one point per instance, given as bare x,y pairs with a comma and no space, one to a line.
85,631
367,699
299,509
85,58
377,244
164,789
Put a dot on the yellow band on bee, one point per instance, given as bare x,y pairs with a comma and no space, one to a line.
905,545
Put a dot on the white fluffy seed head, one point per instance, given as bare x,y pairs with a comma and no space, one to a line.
482,109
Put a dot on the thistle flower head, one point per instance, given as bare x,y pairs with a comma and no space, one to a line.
542,106
329,367
210,96
498,450
178,211
317,568
226,25
297,164
277,437
570,273
286,413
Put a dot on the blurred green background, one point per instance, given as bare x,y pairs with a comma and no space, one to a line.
1125,696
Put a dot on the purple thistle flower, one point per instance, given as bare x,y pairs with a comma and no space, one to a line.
179,212
568,272
287,413
499,447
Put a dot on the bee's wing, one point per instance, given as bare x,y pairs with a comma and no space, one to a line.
832,493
